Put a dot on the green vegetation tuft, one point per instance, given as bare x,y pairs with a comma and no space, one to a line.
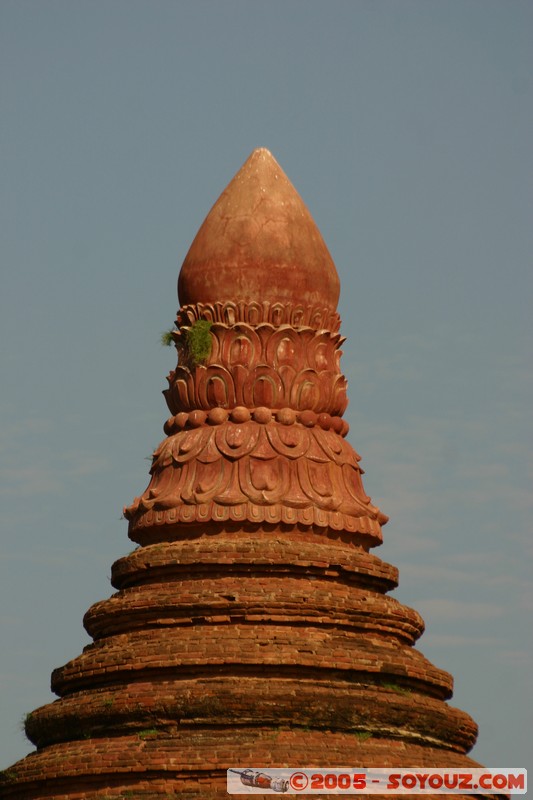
198,340
167,340
8,775
396,688
25,720
148,732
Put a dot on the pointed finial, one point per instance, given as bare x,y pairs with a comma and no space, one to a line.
259,242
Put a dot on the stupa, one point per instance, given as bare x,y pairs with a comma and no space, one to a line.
252,624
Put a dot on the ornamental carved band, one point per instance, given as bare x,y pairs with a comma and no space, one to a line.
256,434
254,313
261,366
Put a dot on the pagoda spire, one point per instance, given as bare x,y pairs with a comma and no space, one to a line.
252,625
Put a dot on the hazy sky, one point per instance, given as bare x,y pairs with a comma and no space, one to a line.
406,126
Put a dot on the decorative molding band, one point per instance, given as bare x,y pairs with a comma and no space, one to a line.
262,415
229,313
261,366
257,472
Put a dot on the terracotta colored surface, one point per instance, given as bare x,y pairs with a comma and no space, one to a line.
252,626
259,242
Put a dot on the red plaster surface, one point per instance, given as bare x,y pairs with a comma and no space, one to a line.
252,626
259,242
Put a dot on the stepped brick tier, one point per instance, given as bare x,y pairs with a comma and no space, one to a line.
251,627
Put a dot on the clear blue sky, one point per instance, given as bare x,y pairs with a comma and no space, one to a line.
406,126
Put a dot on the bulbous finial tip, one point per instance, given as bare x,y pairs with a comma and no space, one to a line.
259,242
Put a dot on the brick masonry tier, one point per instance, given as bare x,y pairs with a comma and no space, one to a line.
164,651
239,700
254,550
158,765
267,598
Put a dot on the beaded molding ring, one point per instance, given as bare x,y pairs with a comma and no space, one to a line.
261,415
